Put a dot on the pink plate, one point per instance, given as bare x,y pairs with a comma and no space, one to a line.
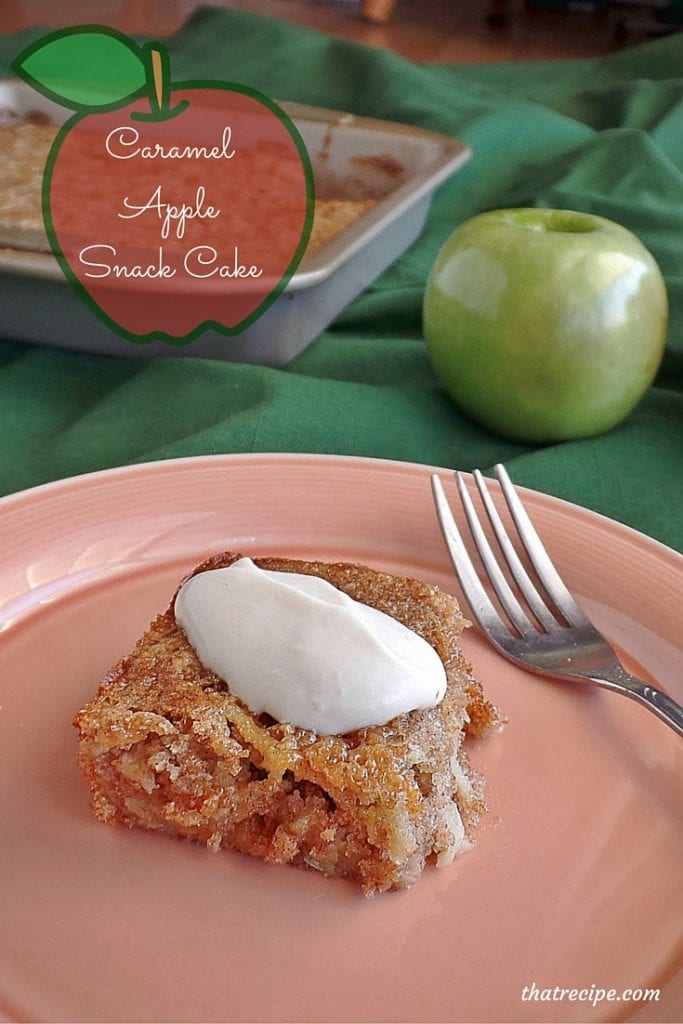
574,882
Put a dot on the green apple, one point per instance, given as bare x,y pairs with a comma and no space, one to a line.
545,325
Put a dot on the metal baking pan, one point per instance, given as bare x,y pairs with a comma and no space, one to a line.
398,164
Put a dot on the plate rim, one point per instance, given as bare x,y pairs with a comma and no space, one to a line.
94,477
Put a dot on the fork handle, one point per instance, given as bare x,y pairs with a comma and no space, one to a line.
665,707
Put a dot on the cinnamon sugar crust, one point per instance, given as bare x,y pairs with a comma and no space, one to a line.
164,745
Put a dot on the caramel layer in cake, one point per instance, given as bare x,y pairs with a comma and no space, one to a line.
164,745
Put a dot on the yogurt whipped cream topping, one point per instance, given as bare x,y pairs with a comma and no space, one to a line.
304,652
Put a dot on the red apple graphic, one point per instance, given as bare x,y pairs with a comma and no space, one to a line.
170,208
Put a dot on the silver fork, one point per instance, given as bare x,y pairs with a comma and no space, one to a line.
556,639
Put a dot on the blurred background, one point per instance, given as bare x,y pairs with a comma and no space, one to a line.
468,31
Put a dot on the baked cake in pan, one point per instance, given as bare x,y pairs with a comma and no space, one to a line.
24,149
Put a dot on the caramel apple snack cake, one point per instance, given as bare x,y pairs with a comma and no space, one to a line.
303,712
24,149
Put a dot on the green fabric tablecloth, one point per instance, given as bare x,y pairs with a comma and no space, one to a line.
604,135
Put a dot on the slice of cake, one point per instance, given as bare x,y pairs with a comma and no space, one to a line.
166,745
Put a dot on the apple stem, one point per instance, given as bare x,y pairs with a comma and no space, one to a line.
158,77
158,73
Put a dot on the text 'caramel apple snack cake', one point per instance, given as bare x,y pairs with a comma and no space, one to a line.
302,712
25,144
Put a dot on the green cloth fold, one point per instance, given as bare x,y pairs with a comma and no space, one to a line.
603,135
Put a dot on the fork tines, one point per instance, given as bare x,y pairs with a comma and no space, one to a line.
559,607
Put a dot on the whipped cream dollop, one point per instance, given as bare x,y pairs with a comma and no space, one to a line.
298,648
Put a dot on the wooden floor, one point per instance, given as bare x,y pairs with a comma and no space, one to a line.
423,30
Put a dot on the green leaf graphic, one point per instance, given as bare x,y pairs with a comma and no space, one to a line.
86,68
